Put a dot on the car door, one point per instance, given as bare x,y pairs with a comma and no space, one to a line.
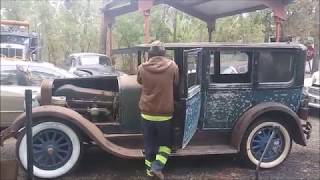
12,93
192,89
229,93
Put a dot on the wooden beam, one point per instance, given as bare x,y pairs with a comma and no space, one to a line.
277,21
146,26
103,35
211,26
109,39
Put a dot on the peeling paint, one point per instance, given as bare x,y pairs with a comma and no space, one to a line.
224,106
193,105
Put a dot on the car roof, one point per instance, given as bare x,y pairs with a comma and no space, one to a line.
240,45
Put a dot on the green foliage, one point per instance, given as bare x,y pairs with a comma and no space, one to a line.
128,30
74,26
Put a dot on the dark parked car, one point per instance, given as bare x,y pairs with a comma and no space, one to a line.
215,113
90,64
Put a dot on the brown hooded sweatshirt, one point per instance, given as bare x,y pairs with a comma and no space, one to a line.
158,76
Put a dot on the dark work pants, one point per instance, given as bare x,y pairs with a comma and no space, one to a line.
157,143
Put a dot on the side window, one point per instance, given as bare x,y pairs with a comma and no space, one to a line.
38,74
192,69
211,69
233,66
275,67
8,75
232,61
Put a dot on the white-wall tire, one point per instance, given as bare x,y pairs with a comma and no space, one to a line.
70,162
248,153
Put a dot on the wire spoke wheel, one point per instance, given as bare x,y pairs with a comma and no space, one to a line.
56,149
255,141
259,143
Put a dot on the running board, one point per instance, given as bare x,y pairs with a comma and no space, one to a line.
205,150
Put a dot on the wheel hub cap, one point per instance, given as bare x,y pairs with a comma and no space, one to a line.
52,148
259,142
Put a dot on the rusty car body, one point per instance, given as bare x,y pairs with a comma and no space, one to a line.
215,112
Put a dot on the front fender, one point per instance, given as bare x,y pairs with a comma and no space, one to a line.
90,129
253,113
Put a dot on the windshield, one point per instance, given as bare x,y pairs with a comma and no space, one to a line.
11,52
94,60
13,39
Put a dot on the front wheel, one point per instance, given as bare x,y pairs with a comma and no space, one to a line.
56,149
255,141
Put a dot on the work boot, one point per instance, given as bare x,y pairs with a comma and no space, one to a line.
158,174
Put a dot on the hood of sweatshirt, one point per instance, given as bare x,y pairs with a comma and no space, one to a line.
157,64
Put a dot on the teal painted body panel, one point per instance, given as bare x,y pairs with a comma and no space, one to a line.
193,106
289,97
225,106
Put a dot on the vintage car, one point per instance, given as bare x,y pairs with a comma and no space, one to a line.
312,89
90,64
215,113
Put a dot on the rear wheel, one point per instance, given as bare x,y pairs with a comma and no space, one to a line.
255,141
56,149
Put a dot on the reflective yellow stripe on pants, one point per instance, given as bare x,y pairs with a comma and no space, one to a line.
163,154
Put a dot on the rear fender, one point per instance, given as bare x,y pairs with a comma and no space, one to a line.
290,117
74,118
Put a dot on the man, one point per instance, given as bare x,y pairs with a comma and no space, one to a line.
158,77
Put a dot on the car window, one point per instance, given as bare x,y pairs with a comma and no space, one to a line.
211,70
192,60
230,66
230,61
39,73
275,67
8,75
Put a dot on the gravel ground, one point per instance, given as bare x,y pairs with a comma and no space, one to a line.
303,163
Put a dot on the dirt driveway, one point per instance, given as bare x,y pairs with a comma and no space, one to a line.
303,163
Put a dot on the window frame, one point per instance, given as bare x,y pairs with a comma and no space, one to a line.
243,78
285,84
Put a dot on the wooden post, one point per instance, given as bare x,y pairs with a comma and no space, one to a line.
144,6
211,26
103,35
109,39
146,26
277,21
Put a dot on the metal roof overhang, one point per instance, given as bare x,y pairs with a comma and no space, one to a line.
205,10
